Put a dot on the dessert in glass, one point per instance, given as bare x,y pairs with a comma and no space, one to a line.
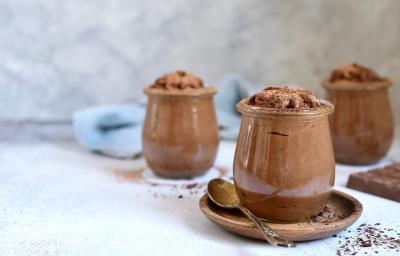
180,132
362,126
284,167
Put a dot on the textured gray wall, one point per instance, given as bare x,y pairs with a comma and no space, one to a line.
60,56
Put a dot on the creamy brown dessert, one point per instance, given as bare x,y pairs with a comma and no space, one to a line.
180,133
285,98
179,80
355,73
284,164
362,125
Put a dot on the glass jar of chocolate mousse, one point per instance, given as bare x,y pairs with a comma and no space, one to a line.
284,168
362,126
180,132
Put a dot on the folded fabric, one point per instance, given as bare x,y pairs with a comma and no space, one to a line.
113,130
231,89
116,130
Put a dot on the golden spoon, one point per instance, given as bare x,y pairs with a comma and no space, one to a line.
223,194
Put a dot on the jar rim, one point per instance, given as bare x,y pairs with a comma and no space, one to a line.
350,85
206,91
325,108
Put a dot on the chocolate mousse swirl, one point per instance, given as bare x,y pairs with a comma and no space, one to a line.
179,80
285,98
355,73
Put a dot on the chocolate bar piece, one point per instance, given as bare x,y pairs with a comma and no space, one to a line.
383,182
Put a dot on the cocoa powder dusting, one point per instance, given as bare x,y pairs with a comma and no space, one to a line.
355,73
161,190
179,80
327,215
285,98
369,239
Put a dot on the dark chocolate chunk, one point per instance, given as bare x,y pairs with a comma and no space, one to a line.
383,182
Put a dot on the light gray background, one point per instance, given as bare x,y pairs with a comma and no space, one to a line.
58,56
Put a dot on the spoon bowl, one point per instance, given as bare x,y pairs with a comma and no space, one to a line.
223,194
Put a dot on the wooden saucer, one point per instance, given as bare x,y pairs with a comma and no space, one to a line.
341,204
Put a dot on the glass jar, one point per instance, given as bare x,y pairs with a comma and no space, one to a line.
284,167
180,133
362,126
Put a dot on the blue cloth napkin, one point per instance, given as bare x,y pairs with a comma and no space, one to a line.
116,130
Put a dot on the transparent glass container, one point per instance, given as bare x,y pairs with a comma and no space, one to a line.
284,167
362,126
180,132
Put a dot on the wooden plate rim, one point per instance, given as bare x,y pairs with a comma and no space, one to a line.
337,225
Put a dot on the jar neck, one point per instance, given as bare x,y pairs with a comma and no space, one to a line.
324,110
189,93
356,86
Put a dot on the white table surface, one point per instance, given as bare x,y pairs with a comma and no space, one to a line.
58,199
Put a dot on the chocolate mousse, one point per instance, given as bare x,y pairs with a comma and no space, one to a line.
178,80
362,125
180,132
285,98
355,73
284,164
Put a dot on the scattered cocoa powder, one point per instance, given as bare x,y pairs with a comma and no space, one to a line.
178,190
327,215
190,186
370,237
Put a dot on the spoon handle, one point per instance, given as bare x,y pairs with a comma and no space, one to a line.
269,234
